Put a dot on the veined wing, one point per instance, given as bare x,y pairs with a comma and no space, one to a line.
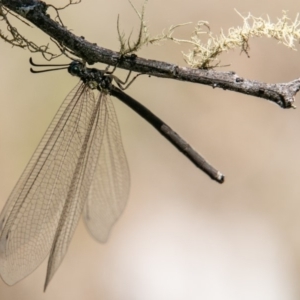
110,187
33,212
80,185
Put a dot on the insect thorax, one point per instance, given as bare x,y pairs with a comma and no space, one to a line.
96,79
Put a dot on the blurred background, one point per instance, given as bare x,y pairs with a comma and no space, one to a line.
182,236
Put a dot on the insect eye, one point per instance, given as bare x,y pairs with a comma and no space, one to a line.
74,69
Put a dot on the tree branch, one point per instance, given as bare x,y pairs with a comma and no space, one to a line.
34,11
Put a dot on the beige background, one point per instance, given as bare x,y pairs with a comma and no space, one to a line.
182,235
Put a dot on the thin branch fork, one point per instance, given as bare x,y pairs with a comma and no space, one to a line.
283,94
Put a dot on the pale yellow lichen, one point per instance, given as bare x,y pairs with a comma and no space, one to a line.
205,55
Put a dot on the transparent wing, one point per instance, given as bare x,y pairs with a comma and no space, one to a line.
84,175
33,214
110,187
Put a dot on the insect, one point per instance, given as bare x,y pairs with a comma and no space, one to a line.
79,168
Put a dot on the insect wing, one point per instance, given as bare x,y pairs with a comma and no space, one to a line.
110,187
83,177
31,217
